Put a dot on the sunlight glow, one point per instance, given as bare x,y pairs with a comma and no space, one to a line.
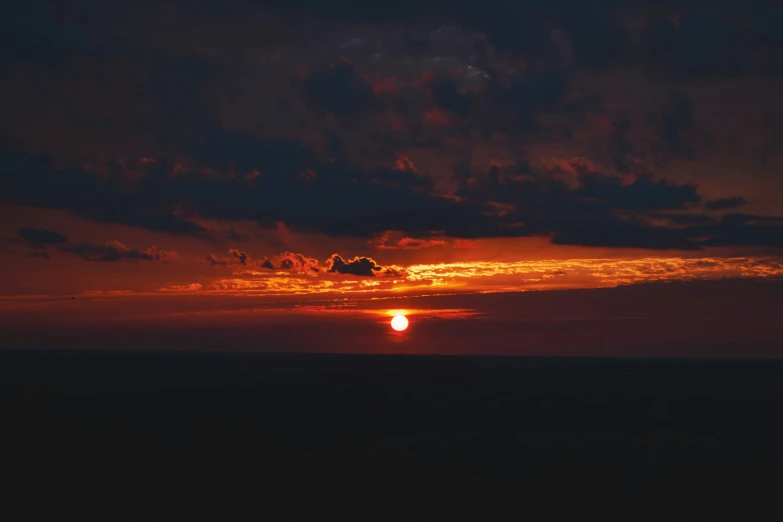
399,323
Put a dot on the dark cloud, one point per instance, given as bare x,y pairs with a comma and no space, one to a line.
621,150
447,94
674,122
358,266
701,44
770,125
644,193
725,203
233,235
36,180
336,198
602,210
294,262
339,89
671,132
40,236
234,257
114,251
291,261
593,192
339,198
680,38
609,231
747,230
111,251
42,33
519,77
598,41
240,257
212,260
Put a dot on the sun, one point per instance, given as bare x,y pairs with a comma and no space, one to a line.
399,322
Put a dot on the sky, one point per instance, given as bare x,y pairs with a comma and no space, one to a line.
550,178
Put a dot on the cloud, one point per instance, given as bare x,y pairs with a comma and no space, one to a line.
583,207
114,251
643,193
291,262
568,200
746,230
234,257
319,154
38,236
494,276
725,203
240,257
111,251
233,235
385,242
358,266
674,122
339,89
298,263
95,194
700,44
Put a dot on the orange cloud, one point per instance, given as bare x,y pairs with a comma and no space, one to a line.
403,163
291,262
482,276
301,264
407,243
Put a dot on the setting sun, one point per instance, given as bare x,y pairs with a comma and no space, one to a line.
399,323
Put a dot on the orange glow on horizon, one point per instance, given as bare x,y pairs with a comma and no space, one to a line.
442,278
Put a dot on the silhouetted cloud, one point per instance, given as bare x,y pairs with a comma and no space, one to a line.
40,236
342,199
725,203
358,266
114,251
111,251
747,230
234,257
292,262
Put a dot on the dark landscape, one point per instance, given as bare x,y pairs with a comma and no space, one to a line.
216,436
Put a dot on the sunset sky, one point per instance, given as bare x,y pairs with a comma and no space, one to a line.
288,175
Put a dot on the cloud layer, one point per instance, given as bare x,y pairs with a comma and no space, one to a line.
298,263
425,119
38,240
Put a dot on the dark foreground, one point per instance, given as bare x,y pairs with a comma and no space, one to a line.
162,437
